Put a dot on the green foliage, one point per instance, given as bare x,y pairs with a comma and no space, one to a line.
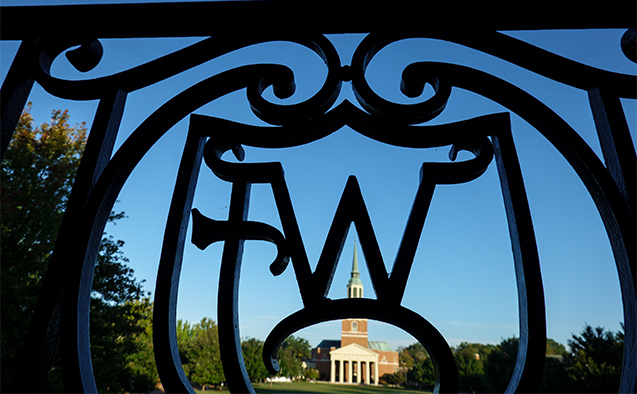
37,175
396,378
420,369
200,356
252,356
411,355
470,362
121,327
478,351
595,359
554,378
199,352
205,357
141,362
500,364
121,345
469,359
554,348
291,355
593,364
185,335
422,374
311,374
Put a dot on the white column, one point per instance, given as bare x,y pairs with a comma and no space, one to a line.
367,371
332,370
376,378
349,372
340,371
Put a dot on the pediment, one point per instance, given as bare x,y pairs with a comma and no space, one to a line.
354,350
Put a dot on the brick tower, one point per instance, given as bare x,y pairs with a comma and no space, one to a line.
354,330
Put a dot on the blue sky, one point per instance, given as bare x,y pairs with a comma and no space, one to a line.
463,279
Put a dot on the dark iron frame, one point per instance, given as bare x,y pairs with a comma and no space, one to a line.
100,177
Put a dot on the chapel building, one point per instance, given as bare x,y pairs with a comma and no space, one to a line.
354,359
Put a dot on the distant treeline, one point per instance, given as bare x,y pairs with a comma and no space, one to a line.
201,359
591,365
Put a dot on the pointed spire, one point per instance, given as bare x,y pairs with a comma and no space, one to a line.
355,262
355,276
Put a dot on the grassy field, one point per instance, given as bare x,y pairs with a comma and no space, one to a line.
304,387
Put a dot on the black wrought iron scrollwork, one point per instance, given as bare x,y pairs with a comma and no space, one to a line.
63,307
87,56
394,124
314,286
412,85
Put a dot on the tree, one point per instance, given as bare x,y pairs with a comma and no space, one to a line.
205,359
470,359
593,364
595,359
120,316
291,355
201,359
38,171
185,336
395,378
410,355
141,363
554,348
311,374
477,351
554,377
500,364
253,359
420,367
422,375
199,352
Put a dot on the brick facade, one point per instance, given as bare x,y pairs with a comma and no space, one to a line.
354,332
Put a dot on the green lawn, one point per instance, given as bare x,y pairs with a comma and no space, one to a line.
304,387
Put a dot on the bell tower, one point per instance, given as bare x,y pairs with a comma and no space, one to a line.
355,286
354,330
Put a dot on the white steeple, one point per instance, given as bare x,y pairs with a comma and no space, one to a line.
355,286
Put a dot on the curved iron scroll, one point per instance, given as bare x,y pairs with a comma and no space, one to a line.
468,135
101,177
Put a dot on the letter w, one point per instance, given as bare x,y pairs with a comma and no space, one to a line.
352,208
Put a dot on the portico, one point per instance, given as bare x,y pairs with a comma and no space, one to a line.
356,364
354,359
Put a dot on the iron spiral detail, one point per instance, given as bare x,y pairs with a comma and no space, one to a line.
63,309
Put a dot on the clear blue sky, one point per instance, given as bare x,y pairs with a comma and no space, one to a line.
463,279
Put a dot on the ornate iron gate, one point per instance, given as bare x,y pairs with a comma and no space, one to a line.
63,306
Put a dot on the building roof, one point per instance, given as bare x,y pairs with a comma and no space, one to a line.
356,351
329,343
376,345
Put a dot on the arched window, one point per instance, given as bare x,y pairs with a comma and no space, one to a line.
354,326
